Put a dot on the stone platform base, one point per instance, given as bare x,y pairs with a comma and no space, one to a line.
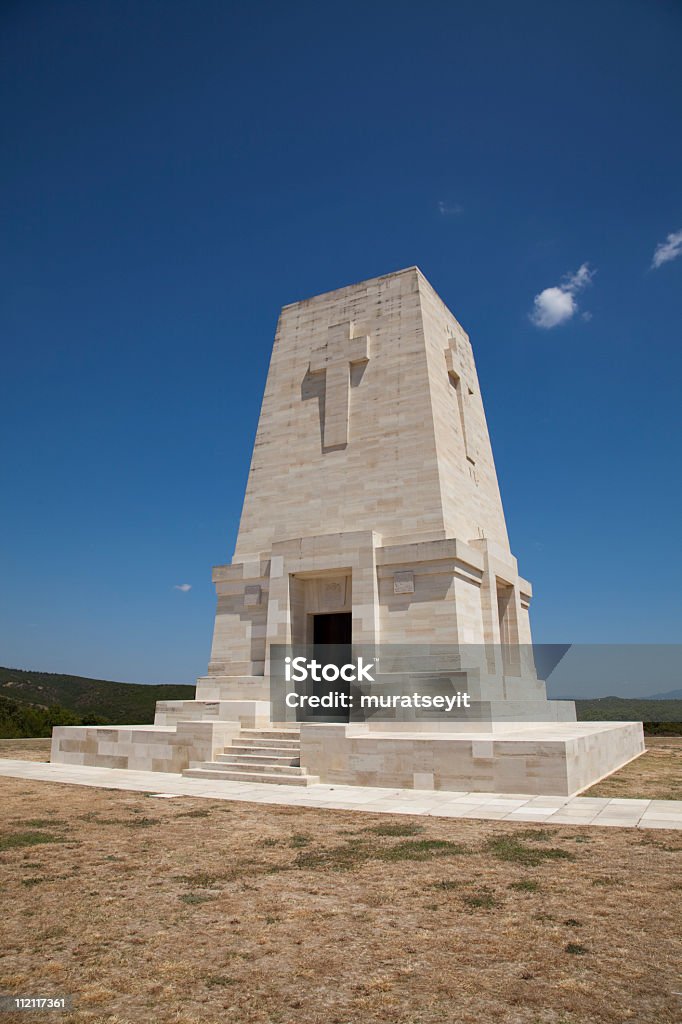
550,759
184,732
149,748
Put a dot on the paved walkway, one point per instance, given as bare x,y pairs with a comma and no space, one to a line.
577,810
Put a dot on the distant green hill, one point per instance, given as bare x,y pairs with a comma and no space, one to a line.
622,709
19,720
115,703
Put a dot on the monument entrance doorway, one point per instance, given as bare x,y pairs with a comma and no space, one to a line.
332,638
333,628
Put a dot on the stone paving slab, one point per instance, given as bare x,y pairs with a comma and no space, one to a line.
618,812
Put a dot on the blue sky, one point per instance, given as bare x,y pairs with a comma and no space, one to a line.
173,173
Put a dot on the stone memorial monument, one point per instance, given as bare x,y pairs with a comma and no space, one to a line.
372,518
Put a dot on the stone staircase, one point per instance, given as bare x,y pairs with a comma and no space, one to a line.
258,755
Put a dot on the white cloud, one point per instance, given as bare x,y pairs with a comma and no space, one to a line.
447,209
557,304
582,276
668,250
184,587
552,306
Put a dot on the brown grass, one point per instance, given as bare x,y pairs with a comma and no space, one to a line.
197,911
656,775
25,750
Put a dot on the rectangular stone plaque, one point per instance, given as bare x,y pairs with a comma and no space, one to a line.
403,583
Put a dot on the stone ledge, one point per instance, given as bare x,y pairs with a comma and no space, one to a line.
449,550
557,759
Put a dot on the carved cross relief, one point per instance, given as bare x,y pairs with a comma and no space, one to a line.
463,392
341,350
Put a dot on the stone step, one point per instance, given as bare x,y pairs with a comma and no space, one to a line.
246,776
247,751
232,755
261,743
261,769
282,734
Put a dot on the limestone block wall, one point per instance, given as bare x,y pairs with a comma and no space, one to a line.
429,615
386,477
224,687
472,506
445,602
594,755
467,597
249,712
239,632
140,747
549,760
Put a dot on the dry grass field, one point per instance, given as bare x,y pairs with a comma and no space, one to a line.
25,750
656,775
193,910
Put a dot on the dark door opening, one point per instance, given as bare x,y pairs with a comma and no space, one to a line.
333,629
332,639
